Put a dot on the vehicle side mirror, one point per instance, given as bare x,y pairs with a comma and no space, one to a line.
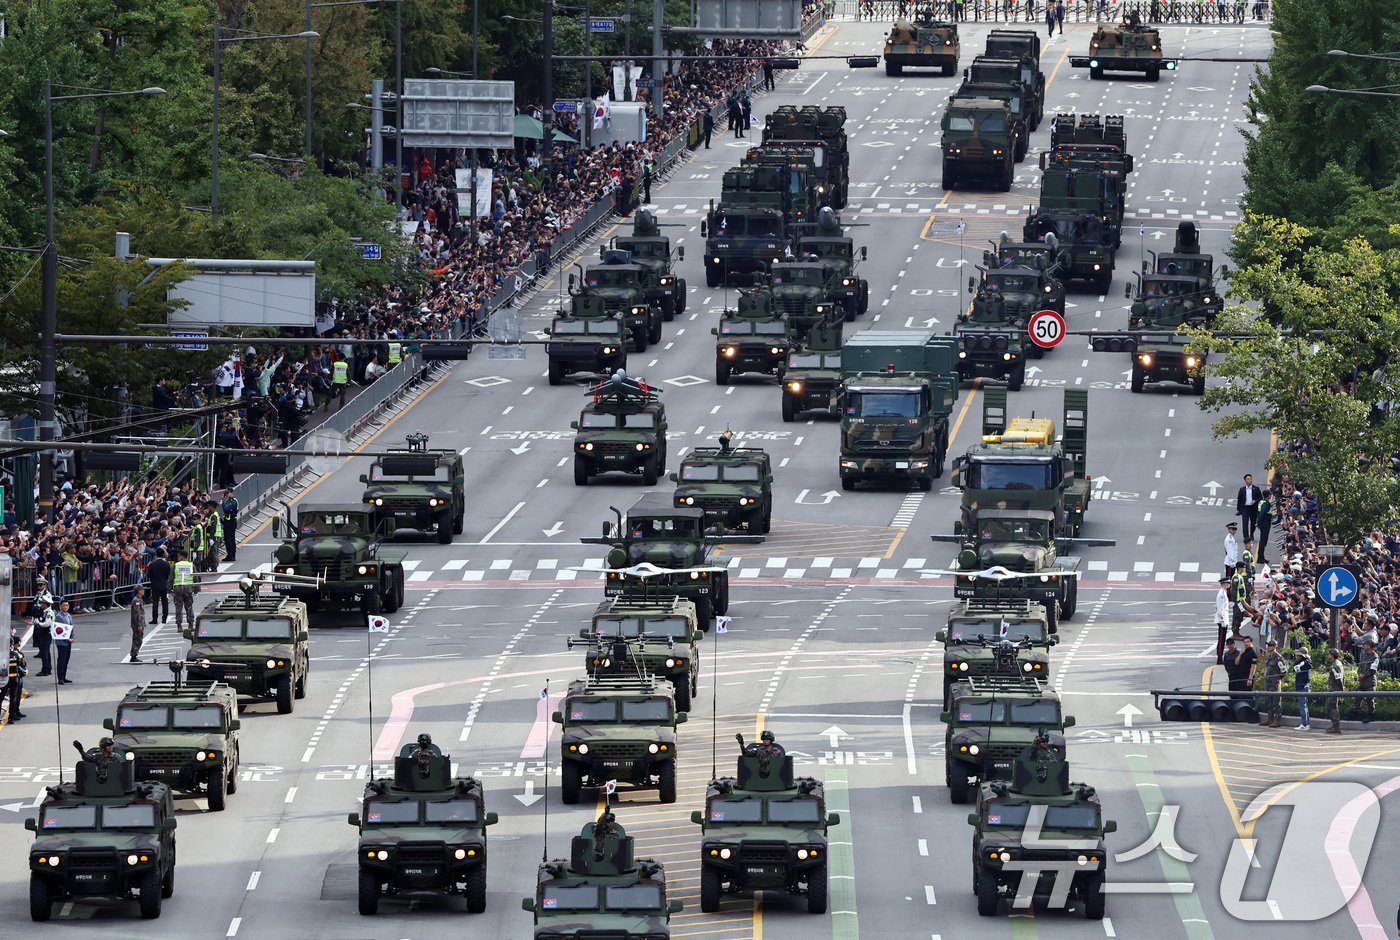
1045,159
863,253
303,636
364,478
704,230
1109,826
768,479
527,904
32,824
945,716
491,819
1127,290
235,725
696,817
973,819
107,723
607,530
557,718
585,634
680,252
187,634
573,425
957,477
572,282
941,636
673,476
1224,270
675,907
1069,721
353,819
1053,641
833,819
682,718
168,824
971,284
714,331
277,527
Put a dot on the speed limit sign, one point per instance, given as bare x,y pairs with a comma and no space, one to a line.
1047,328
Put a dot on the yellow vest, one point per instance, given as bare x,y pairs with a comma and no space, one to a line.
218,526
395,353
340,373
184,574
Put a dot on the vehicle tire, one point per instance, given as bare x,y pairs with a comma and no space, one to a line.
721,602
925,483
710,886
1004,180
1104,281
683,695
864,296
1139,377
444,529
649,472
680,295
711,277
1094,898
1154,74
369,893
476,890
298,691
284,694
721,372
959,790
1017,377
816,890
1071,602
167,883
1052,617
666,779
950,179
460,523
655,335
572,782
668,309
949,69
556,372
1198,385
766,525
639,340
987,897
150,894
789,406
218,791
848,483
892,70
1037,352
398,590
40,899
849,311
231,774
580,471
1095,74
705,613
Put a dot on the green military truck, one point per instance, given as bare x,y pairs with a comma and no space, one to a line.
103,836
337,557
1082,207
924,43
979,143
650,249
1126,47
828,244
621,285
742,239
621,429
781,174
661,636
733,485
1008,554
596,345
1023,74
1187,260
418,488
259,646
1087,142
898,391
993,332
808,295
182,734
1015,98
422,832
1021,46
619,728
752,338
1164,303
988,720
812,379
995,638
1038,838
764,830
601,890
819,128
1072,129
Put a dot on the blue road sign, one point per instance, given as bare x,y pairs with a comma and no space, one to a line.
565,107
191,334
370,251
601,26
1337,585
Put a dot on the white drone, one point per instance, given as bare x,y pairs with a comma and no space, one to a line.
644,569
998,573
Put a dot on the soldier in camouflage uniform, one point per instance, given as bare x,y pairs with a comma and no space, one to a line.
1273,678
138,619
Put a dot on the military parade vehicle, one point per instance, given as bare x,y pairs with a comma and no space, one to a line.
652,250
182,734
1126,47
1165,303
819,128
924,43
1009,554
1023,465
258,645
601,890
995,638
812,379
733,485
1047,254
418,488
1088,129
1015,98
988,720
807,294
619,728
979,142
751,338
1082,207
779,176
661,636
741,239
622,428
1038,825
618,287
898,390
422,831
596,345
1187,260
1099,146
342,552
102,836
993,334
764,830
828,244
1021,46
1023,74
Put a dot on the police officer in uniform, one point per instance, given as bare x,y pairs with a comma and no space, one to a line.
1273,677
1241,608
15,672
196,543
228,518
185,586
340,382
43,632
1334,684
213,534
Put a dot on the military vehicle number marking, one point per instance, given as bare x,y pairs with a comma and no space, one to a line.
1046,329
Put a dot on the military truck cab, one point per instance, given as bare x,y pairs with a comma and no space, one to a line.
925,43
980,142
993,337
621,285
995,638
830,247
1082,208
622,429
1022,48
988,720
754,338
1022,73
596,345
804,293
622,728
1015,98
650,249
741,239
1022,543
418,489
812,377
660,637
732,485
814,126
344,545
102,836
257,645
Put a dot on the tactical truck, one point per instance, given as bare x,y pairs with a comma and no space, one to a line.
258,645
751,338
1166,303
650,249
661,635
418,488
342,552
1024,74
764,830
1015,97
618,286
742,238
622,428
1088,129
422,831
828,244
1126,47
596,345
992,333
622,728
1021,46
102,836
815,127
995,638
979,142
1012,554
733,485
812,379
988,720
807,294
1187,260
1083,208
923,43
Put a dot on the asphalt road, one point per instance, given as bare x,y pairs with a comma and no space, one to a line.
832,640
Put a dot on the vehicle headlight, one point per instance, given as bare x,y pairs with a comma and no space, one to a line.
653,748
777,350
459,854
1083,860
962,354
609,350
272,664
382,855
1192,362
848,282
794,386
694,575
1096,267
1005,856
689,500
962,667
588,446
132,859
725,853
131,755
53,861
743,500
362,570
671,663
973,749
1007,357
716,259
1145,359
432,502
583,748
639,446
200,756
997,152
1027,667
667,281
379,501
801,855
1045,577
730,352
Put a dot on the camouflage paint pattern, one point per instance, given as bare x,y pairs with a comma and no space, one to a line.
602,349
1124,48
925,42
336,558
721,499
982,152
619,749
419,504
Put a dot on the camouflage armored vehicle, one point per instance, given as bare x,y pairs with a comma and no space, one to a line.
595,345
1128,47
816,127
622,728
995,638
342,552
181,734
979,143
102,836
1039,826
622,428
1021,46
662,638
988,720
1082,208
833,248
993,335
742,239
601,890
926,42
808,295
621,285
812,379
257,645
1015,97
1166,303
652,250
422,831
752,338
733,485
418,488
1187,260
1025,75
1010,554
764,830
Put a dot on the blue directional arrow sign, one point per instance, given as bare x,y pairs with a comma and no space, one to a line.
1337,585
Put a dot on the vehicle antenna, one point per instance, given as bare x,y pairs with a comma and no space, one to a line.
548,730
714,703
371,626
58,726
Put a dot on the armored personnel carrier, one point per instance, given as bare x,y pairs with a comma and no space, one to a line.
418,488
995,638
829,245
924,43
618,287
812,379
619,728
988,720
596,345
733,485
650,249
341,552
979,142
1126,47
661,637
819,128
1039,838
622,428
102,836
257,645
751,338
602,890
764,830
422,831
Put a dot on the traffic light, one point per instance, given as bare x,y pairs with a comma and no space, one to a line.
446,352
1190,706
862,61
1114,342
785,63
258,463
112,461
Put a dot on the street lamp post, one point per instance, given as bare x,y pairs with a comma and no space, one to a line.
48,328
1377,91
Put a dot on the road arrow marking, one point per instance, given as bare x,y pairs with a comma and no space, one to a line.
827,497
529,797
1033,370
521,449
1100,481
1212,486
1159,234
1168,192
1178,156
835,734
553,530
19,807
1129,712
1337,593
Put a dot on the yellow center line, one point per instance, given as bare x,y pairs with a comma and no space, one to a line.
1056,70
967,405
923,233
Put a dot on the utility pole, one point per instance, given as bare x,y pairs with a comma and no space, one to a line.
627,51
587,130
658,67
547,111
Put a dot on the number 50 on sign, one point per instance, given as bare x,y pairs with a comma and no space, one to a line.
1046,328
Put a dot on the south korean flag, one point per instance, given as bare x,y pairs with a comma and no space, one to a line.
1003,629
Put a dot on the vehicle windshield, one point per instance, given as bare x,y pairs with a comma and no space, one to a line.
988,475
390,813
980,712
1013,530
812,360
764,227
610,277
753,328
569,898
451,811
647,710
135,816
198,717
883,404
605,420
1078,816
1011,283
839,250
1016,630
736,811
809,277
699,473
960,122
329,523
790,811
643,248
638,897
993,123
589,327
637,626
729,224
1013,815
137,717
584,711
69,817
645,528
1039,713
709,473
406,469
253,628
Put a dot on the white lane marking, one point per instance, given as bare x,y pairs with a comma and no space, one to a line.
500,525
272,836
928,894
253,881
291,795
918,804
923,847
233,924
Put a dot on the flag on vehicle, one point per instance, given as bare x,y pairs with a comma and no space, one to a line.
1004,629
378,624
610,787
544,692
722,624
